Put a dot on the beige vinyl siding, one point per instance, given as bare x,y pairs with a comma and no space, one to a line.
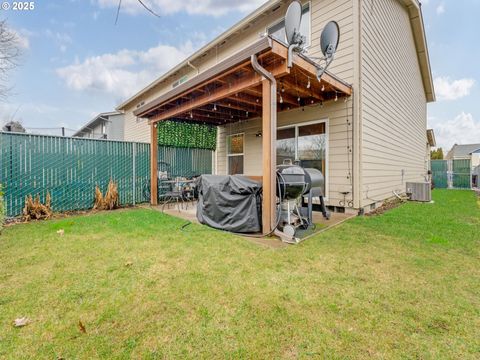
393,103
340,11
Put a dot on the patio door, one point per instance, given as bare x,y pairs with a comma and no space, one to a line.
306,143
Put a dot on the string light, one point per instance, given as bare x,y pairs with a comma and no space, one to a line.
214,107
258,100
308,84
336,96
281,99
323,88
191,114
246,113
283,88
298,99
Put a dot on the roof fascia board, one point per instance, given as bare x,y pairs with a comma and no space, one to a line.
416,18
100,116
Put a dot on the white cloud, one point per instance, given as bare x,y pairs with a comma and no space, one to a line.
124,72
59,38
440,8
463,129
196,7
452,90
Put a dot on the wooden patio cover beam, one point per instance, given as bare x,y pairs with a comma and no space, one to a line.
225,91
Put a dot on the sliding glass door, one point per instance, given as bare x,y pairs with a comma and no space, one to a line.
305,143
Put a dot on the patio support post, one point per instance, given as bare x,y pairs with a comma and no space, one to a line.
269,136
153,165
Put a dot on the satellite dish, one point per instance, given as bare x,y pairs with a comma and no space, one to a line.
293,20
329,39
328,44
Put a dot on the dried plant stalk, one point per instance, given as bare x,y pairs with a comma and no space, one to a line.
35,210
111,199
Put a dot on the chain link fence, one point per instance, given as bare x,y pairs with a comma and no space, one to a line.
456,174
70,169
184,162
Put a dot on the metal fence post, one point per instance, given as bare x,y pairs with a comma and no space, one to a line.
134,149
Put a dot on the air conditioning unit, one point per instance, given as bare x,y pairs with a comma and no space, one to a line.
419,191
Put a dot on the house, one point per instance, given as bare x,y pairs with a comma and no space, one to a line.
465,152
107,125
363,125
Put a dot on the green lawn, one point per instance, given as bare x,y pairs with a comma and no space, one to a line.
402,285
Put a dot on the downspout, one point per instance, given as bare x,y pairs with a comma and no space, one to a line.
272,131
357,127
273,82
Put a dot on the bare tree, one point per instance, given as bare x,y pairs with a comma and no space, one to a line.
9,56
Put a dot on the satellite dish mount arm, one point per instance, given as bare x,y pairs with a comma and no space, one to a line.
297,46
324,64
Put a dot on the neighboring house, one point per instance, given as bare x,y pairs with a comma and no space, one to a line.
364,125
108,125
465,152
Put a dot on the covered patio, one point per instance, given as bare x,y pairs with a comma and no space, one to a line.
253,83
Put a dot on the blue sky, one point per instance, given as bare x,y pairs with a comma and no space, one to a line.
76,62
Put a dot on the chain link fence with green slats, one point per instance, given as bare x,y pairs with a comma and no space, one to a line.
461,174
184,162
69,169
440,173
456,174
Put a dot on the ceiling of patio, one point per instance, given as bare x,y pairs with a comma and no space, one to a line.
231,91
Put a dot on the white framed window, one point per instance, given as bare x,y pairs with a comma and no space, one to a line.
235,154
277,30
306,143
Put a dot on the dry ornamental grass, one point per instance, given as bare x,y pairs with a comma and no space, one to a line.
35,210
111,199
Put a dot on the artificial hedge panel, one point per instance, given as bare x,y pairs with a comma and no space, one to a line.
187,135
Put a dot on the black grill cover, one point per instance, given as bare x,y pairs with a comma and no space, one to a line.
231,203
